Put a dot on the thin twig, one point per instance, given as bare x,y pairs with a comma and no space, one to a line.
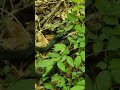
52,12
3,5
11,4
18,10
95,53
17,22
16,81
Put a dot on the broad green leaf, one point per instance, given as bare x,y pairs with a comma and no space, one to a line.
61,82
81,82
45,63
115,73
79,28
59,47
27,84
64,57
47,85
53,55
113,43
90,35
74,75
103,81
82,44
82,68
115,63
65,87
105,7
88,83
77,61
71,17
78,88
69,28
110,20
102,65
75,8
78,1
70,61
75,45
61,66
95,27
115,69
66,51
47,70
55,78
82,54
102,5
98,46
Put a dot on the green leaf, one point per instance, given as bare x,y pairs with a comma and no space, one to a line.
74,75
98,46
78,1
61,66
115,63
115,69
47,85
102,5
65,87
82,44
27,84
78,88
103,81
47,70
82,54
55,78
69,28
45,63
81,82
105,7
59,47
77,61
110,20
113,43
79,28
61,82
75,45
95,27
90,35
53,55
71,17
115,73
64,57
102,65
82,68
88,83
66,51
70,61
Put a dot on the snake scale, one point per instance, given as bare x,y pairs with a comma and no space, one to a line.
55,40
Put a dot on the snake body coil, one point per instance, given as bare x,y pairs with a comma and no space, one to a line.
54,41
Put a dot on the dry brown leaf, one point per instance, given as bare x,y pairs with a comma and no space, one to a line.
41,41
16,38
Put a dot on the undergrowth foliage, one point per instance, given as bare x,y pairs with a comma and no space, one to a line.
68,58
103,45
